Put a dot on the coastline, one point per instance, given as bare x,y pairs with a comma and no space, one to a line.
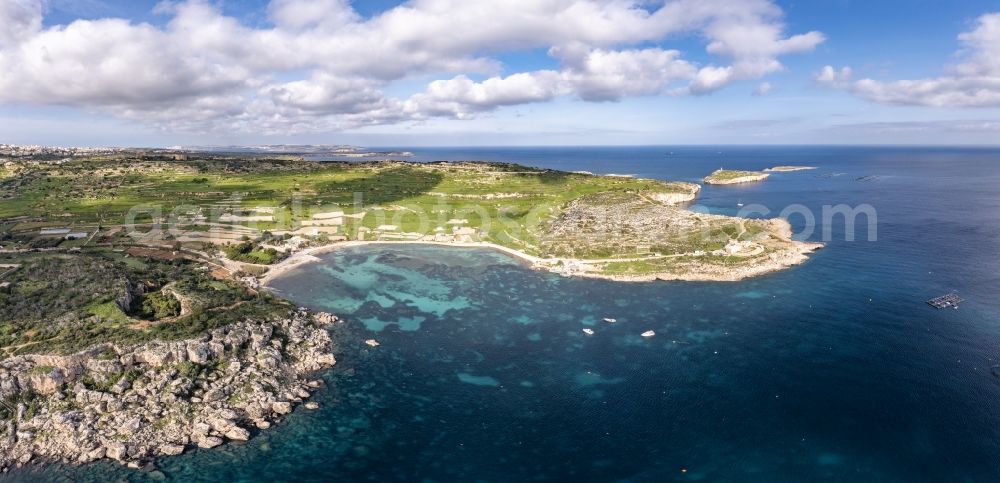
135,403
308,255
557,265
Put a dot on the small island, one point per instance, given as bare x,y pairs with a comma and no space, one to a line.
788,169
729,176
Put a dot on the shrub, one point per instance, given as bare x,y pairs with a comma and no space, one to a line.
158,305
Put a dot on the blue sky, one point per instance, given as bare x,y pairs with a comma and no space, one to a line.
446,72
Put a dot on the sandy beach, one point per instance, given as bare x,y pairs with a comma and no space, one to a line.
310,254
557,265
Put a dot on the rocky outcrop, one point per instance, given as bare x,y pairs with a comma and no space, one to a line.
726,177
684,193
788,169
132,404
325,318
127,296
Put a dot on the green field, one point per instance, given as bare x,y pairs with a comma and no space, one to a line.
501,203
255,205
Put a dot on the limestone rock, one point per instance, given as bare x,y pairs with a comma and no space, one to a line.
171,449
281,407
260,369
116,451
237,433
209,442
47,383
325,318
198,353
156,356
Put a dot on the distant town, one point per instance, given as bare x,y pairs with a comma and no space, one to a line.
56,153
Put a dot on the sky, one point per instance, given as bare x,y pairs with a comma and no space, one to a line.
499,72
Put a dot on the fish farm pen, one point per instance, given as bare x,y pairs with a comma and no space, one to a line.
946,301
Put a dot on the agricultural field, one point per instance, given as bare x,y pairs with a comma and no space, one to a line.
494,200
252,207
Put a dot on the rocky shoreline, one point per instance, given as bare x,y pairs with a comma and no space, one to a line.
797,254
789,169
689,193
133,404
747,177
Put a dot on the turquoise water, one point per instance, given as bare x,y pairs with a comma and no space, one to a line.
834,370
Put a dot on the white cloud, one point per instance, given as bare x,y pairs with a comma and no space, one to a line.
710,79
602,75
320,65
984,44
20,19
762,89
326,93
755,46
831,77
460,97
975,82
305,14
594,75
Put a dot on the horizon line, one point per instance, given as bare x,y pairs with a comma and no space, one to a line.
542,146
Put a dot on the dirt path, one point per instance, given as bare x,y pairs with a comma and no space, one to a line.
7,269
9,350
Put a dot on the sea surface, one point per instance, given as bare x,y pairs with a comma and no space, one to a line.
834,370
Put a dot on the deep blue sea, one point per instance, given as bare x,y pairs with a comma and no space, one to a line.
834,370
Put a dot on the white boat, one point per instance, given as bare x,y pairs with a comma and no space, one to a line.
648,333
588,331
372,342
610,320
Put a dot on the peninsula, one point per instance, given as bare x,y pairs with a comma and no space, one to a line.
135,323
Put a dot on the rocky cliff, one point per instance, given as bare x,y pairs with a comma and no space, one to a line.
132,404
685,192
